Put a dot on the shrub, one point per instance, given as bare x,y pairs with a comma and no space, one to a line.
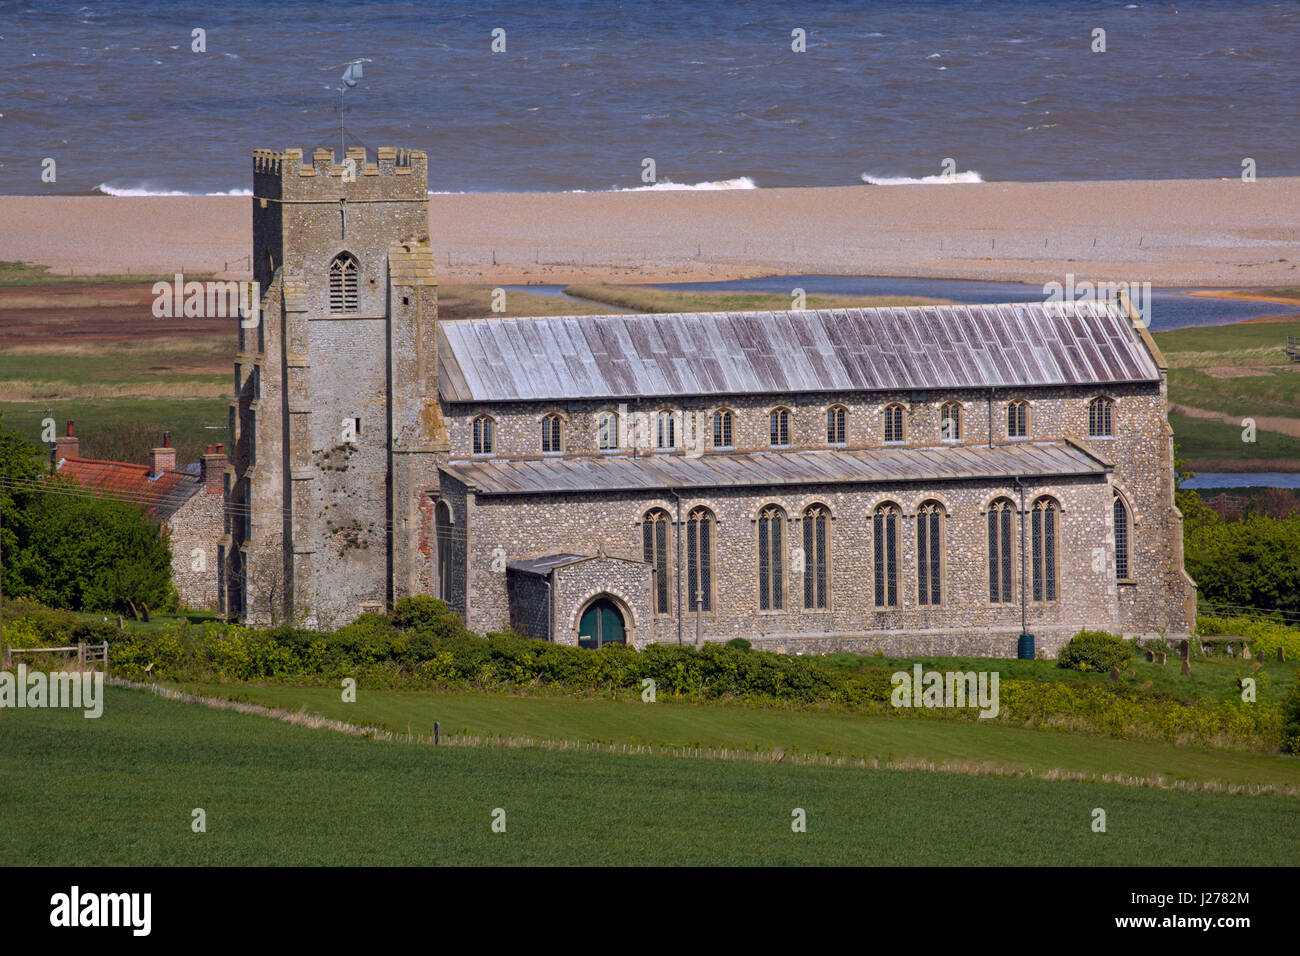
1291,720
739,643
1095,651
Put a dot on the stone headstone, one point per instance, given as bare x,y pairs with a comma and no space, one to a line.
1187,668
1245,652
1229,647
1185,648
1151,656
1162,658
1114,675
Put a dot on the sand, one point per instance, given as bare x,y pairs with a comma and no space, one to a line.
1221,233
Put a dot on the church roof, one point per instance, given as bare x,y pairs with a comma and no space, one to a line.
833,350
774,469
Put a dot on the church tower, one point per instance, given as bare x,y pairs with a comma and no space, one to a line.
336,426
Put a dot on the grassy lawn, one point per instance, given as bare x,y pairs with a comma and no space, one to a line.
120,790
735,727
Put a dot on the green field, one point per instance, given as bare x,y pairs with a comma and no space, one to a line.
975,746
121,789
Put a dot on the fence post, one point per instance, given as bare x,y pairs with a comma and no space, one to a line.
81,653
8,660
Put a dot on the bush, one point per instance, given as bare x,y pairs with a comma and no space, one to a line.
1291,720
1095,651
739,643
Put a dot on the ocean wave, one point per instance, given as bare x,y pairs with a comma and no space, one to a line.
970,176
145,189
667,185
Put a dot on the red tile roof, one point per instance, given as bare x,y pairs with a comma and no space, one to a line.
161,495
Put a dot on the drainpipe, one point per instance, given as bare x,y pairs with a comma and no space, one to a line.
1024,628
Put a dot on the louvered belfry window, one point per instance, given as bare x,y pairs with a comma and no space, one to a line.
343,283
771,563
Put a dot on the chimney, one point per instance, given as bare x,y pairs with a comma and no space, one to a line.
164,458
66,446
213,469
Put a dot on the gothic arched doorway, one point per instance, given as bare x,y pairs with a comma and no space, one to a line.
601,623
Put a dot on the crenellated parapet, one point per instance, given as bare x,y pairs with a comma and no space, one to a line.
292,175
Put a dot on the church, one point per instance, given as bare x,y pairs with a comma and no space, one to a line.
923,480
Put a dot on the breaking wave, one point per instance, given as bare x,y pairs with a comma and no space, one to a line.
144,189
967,177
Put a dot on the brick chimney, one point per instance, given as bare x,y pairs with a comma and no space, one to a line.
164,458
67,445
213,469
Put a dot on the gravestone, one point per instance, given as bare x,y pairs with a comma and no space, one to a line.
1187,668
1114,675
1162,658
1151,656
1245,652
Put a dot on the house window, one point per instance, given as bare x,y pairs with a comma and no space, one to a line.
929,553
835,417
771,559
1099,418
666,429
343,283
893,423
552,432
654,546
816,558
1018,419
483,435
950,421
779,422
1045,519
1121,539
1000,513
884,531
607,430
722,423
699,560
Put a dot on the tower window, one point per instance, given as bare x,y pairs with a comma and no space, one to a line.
343,283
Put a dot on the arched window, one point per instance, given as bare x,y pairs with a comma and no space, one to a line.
699,560
666,429
950,421
1000,550
885,526
835,420
343,283
1122,526
816,558
929,553
894,423
654,545
1045,521
722,427
607,430
779,421
483,428
1099,418
442,531
1018,419
552,434
771,559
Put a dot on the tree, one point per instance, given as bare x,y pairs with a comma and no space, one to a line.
20,468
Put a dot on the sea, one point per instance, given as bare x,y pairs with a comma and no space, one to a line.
155,97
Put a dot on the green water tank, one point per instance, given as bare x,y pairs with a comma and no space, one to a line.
1026,648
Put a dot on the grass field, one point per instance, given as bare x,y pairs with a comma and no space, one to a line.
644,299
121,790
968,746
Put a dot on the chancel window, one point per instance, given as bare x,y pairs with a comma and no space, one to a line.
771,559
885,526
929,553
699,560
1000,550
816,558
1045,521
654,543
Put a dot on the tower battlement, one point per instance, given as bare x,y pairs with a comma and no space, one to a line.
393,173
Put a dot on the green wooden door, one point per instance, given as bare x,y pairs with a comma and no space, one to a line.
601,624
